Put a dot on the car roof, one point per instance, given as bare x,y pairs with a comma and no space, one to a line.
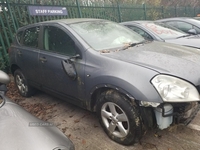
177,18
70,21
137,22
192,21
64,21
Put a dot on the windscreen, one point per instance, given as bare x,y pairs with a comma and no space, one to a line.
101,34
164,31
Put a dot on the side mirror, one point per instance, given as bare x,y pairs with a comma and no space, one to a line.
4,79
69,68
192,31
77,56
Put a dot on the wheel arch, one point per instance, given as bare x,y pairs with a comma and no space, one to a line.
146,115
95,93
13,68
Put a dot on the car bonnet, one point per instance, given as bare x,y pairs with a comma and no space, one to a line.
165,58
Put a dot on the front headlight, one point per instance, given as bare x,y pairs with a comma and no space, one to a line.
173,89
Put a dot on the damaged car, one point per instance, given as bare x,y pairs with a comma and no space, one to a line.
107,68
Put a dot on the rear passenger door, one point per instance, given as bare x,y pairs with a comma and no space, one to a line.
27,53
56,61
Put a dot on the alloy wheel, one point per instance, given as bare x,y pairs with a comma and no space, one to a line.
115,119
21,85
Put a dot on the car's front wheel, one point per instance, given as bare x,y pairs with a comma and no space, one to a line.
22,84
119,117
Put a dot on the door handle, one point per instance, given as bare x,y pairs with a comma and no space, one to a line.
43,59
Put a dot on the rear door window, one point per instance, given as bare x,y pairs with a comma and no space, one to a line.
31,36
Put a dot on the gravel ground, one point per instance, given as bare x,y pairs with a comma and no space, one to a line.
84,130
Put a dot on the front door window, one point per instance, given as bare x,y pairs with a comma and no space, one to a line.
56,40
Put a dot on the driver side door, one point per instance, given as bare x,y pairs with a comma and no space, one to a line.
61,64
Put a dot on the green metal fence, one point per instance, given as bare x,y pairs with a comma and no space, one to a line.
15,15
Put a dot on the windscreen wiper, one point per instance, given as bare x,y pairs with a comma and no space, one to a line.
132,45
183,36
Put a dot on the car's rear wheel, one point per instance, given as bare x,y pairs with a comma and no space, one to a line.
22,85
119,117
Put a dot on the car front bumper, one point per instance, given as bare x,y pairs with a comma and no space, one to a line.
185,112
176,113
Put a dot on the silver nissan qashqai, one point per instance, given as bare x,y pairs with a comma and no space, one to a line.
106,68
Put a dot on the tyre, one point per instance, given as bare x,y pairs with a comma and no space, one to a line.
119,117
22,85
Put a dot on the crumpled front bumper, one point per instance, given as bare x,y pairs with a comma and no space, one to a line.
185,112
169,113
